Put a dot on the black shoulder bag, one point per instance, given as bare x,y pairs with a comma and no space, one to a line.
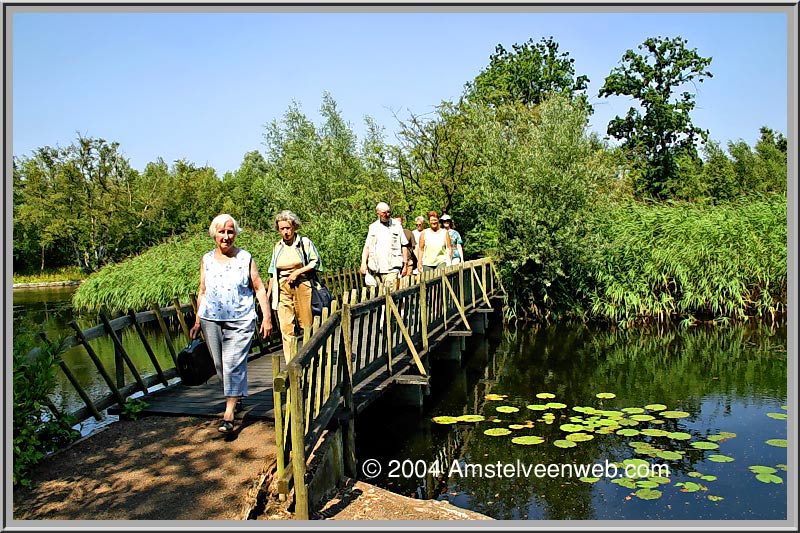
321,297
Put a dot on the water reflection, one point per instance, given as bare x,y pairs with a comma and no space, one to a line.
726,379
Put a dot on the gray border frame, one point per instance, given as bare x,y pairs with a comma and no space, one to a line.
788,8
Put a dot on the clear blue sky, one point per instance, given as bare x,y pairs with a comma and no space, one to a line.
202,86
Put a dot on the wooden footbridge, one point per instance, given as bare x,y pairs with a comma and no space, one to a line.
371,341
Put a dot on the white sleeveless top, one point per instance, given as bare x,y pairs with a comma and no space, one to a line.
229,295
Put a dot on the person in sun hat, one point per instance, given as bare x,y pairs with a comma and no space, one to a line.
455,238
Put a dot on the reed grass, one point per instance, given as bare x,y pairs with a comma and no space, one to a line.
51,275
692,262
165,271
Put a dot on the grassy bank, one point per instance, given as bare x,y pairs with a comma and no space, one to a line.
51,276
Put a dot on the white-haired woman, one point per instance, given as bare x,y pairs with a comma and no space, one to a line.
229,281
294,260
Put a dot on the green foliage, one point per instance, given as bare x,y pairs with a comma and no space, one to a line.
526,75
689,260
36,431
663,130
84,205
132,408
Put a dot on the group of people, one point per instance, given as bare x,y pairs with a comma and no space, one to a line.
392,252
230,285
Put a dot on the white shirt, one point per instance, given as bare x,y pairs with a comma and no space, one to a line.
385,242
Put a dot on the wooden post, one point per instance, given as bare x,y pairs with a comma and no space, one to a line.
71,377
157,310
348,425
423,312
177,305
153,359
298,443
461,284
99,364
120,352
388,318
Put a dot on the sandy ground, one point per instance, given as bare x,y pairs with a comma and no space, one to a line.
182,468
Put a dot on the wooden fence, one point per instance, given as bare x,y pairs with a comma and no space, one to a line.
361,342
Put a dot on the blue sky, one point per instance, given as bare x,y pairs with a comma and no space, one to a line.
202,86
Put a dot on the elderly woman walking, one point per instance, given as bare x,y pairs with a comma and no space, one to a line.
294,260
226,312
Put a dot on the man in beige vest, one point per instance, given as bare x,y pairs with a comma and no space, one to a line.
385,253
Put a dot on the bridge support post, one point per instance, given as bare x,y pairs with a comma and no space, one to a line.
478,323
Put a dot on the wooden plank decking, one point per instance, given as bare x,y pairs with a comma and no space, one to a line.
207,401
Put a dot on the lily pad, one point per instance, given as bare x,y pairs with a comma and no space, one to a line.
605,395
689,486
642,418
695,474
471,418
704,445
561,443
646,484
627,422
715,438
715,498
624,482
779,443
628,432
648,494
661,480
495,397
708,477
769,478
759,469
669,455
545,395
517,426
589,479
633,410
536,407
613,415
719,458
528,440
555,405
727,434
497,432
781,466
507,409
655,407
678,435
579,437
674,414
445,419
777,416
572,428
583,409
651,432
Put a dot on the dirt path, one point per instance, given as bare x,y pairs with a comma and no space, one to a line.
182,468
156,468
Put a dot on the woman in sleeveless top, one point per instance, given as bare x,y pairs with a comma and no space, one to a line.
434,245
229,280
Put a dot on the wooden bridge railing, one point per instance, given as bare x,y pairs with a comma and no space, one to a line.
354,344
123,378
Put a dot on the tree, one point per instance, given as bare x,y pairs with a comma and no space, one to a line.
655,136
526,74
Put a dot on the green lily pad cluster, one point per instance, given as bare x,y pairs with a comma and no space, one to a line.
583,423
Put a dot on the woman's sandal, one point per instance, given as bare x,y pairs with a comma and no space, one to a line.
225,426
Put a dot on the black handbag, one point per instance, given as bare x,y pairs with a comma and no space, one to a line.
195,364
321,297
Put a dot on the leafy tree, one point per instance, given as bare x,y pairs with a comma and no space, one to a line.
718,173
80,195
663,128
526,74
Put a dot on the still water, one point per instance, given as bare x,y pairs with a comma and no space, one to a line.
50,309
695,408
